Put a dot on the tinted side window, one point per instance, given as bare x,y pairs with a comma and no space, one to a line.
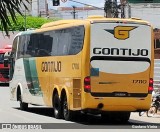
64,40
67,41
14,47
20,51
61,42
28,48
44,46
77,40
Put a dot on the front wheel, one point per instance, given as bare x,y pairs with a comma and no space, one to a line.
23,106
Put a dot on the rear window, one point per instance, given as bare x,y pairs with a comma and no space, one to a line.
120,48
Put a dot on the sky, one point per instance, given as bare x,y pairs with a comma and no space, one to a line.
68,3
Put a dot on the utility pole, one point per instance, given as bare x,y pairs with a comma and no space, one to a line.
111,8
115,8
129,10
123,4
25,20
74,12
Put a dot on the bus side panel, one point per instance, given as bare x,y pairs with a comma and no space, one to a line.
63,72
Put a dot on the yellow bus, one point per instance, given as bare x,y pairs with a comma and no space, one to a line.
98,65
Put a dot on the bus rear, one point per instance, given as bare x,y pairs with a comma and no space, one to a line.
121,66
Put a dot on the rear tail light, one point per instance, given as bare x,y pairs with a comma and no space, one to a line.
150,88
87,84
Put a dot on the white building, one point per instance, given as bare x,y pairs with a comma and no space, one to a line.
39,7
80,12
146,11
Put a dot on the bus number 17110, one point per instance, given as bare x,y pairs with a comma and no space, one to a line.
140,81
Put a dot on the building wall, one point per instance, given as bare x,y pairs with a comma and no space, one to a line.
149,12
157,43
39,7
81,12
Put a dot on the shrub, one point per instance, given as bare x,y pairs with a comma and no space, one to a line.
31,22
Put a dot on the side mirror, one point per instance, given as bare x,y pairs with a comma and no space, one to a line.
6,62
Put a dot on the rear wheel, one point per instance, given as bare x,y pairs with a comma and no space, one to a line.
152,111
67,114
125,117
56,106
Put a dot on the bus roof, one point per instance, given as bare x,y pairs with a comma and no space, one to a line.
95,19
91,19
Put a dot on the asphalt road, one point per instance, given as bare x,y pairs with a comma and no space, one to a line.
10,113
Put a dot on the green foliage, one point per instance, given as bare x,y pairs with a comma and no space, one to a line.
10,7
31,22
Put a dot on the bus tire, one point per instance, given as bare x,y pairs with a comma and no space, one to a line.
57,106
23,106
67,114
125,117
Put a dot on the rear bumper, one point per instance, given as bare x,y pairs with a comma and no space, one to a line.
116,103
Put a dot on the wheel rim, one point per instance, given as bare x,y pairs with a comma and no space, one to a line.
56,109
56,106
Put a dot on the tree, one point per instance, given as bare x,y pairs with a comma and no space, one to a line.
111,8
10,8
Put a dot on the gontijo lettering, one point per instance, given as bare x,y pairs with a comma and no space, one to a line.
51,66
120,51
